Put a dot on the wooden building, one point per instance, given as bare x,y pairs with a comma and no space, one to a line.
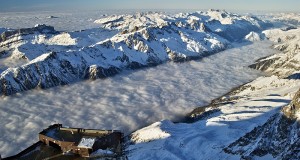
55,141
82,141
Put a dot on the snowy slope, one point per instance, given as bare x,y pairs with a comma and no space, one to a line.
293,19
277,138
258,120
253,36
230,26
286,62
237,114
44,60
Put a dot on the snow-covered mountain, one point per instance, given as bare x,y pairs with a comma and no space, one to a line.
230,26
258,120
279,136
41,57
286,62
292,19
215,127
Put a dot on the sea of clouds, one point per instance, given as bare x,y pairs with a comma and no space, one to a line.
129,100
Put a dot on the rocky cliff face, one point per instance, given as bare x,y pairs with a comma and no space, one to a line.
257,134
45,58
278,137
230,26
286,62
38,29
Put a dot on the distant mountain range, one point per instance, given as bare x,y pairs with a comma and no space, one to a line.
258,120
41,57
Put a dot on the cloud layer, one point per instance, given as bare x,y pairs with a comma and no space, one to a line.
128,101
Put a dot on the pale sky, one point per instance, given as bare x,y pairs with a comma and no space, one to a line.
242,5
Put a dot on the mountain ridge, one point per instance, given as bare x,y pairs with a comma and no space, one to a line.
75,57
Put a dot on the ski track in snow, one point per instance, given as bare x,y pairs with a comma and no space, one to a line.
128,101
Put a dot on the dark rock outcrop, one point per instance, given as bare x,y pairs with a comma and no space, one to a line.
279,136
41,29
263,65
286,62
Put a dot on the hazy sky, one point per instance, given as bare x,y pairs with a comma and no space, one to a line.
48,5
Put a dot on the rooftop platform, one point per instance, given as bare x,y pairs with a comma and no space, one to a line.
57,142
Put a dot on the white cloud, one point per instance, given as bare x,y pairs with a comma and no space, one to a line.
128,101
